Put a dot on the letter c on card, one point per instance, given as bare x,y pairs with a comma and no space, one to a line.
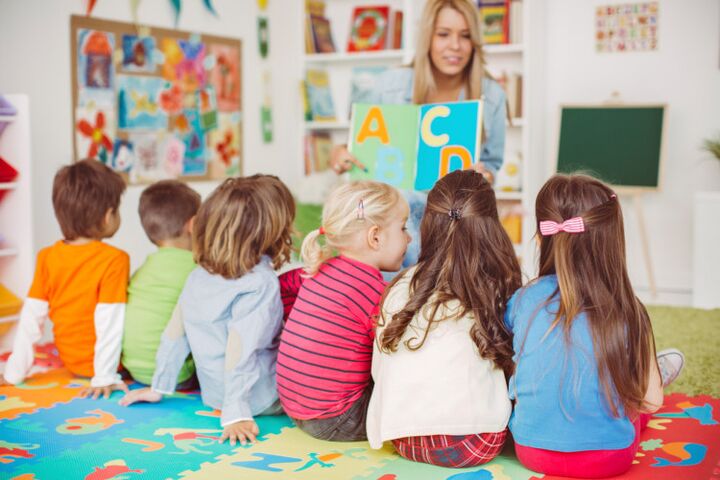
428,136
446,155
380,130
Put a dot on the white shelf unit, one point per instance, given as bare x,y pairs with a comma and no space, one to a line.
16,255
523,58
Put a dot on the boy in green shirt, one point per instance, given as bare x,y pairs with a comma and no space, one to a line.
167,209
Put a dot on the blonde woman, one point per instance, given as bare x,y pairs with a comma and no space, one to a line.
229,314
448,66
323,370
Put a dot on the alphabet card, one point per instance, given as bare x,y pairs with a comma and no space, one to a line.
413,146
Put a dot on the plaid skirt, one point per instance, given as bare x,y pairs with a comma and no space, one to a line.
452,450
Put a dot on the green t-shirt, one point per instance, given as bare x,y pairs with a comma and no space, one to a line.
152,295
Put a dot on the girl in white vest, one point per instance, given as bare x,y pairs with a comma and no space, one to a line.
442,351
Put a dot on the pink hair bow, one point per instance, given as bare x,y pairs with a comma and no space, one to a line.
571,225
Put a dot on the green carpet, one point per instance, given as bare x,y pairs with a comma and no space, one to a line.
696,333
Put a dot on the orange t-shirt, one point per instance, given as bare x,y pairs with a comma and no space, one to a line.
73,279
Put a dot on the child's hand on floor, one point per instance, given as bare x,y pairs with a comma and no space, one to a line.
105,391
244,432
140,395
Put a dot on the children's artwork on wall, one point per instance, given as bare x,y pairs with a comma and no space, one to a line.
225,76
138,53
266,123
225,142
138,103
156,103
95,69
263,36
626,27
94,128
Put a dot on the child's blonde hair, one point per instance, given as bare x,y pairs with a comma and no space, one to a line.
349,209
243,219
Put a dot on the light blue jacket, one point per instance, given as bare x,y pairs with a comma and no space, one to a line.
395,86
232,328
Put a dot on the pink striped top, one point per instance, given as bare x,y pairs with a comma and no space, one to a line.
326,346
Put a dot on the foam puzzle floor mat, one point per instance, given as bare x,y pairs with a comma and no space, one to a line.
48,432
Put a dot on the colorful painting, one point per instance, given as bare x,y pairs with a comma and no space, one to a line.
138,54
225,144
138,103
412,146
95,70
156,103
225,77
94,132
626,27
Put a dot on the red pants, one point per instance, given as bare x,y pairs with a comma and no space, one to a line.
586,464
452,450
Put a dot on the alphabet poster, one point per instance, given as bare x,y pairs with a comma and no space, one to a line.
154,103
412,146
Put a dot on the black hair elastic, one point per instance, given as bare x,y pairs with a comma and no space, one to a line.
455,214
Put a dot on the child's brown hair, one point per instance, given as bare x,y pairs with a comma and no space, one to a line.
466,256
82,195
165,208
592,278
243,219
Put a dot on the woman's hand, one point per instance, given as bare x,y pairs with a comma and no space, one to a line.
243,432
480,168
341,160
140,395
95,392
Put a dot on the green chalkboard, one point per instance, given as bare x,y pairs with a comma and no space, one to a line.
620,145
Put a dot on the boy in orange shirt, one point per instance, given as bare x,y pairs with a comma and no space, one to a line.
80,282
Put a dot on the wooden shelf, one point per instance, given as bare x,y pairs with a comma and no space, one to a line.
327,125
503,48
352,57
501,195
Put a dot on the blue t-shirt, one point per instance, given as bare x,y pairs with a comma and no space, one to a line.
559,402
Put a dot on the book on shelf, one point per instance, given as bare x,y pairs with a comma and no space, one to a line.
510,214
317,84
320,34
318,147
494,21
513,85
363,82
396,30
369,28
307,112
516,22
412,146
315,7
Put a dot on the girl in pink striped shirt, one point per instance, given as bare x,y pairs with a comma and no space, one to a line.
323,369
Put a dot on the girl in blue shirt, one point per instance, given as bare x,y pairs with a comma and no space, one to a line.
229,314
586,374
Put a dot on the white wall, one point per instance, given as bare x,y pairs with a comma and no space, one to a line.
684,73
35,59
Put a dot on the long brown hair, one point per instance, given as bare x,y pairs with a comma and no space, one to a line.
592,278
243,219
424,80
466,256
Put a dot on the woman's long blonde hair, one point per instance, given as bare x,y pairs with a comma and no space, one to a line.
349,208
422,64
243,219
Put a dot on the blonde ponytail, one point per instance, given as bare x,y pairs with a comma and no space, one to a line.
349,208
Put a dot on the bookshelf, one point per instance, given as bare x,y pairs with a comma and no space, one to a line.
523,139
16,252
